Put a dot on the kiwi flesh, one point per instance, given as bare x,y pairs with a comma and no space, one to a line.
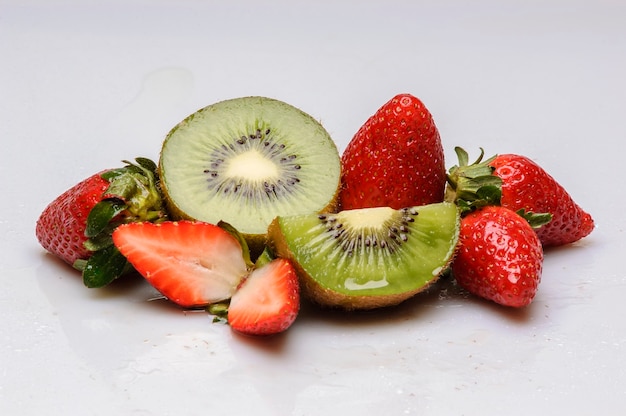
245,161
368,258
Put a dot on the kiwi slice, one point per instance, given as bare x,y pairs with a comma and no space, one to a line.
368,258
247,160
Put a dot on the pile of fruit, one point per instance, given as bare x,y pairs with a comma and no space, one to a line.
251,206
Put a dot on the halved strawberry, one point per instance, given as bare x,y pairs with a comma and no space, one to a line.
268,301
193,264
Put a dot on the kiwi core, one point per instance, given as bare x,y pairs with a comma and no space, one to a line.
252,166
367,219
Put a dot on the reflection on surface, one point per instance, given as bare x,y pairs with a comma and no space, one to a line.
140,346
398,360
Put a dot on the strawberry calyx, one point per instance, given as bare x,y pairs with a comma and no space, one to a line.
536,220
131,196
136,186
219,311
266,256
474,185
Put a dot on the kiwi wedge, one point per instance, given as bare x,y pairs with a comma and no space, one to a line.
247,160
368,258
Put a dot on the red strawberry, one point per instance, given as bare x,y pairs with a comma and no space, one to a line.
193,264
395,159
61,226
518,183
525,185
268,301
77,225
500,257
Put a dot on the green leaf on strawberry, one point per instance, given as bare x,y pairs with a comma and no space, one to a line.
104,266
535,220
101,214
266,256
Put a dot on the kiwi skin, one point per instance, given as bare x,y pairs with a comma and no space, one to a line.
329,298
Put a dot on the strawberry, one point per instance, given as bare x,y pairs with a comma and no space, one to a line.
267,302
193,264
77,225
516,182
525,185
395,159
499,258
61,226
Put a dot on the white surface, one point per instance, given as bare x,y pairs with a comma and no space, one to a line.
83,86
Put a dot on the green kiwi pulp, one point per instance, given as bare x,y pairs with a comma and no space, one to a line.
247,160
368,258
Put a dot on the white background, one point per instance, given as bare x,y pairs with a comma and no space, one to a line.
84,85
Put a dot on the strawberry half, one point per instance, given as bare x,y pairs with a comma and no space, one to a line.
395,159
77,225
268,301
193,264
500,257
518,183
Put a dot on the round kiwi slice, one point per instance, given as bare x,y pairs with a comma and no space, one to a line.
368,258
247,160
